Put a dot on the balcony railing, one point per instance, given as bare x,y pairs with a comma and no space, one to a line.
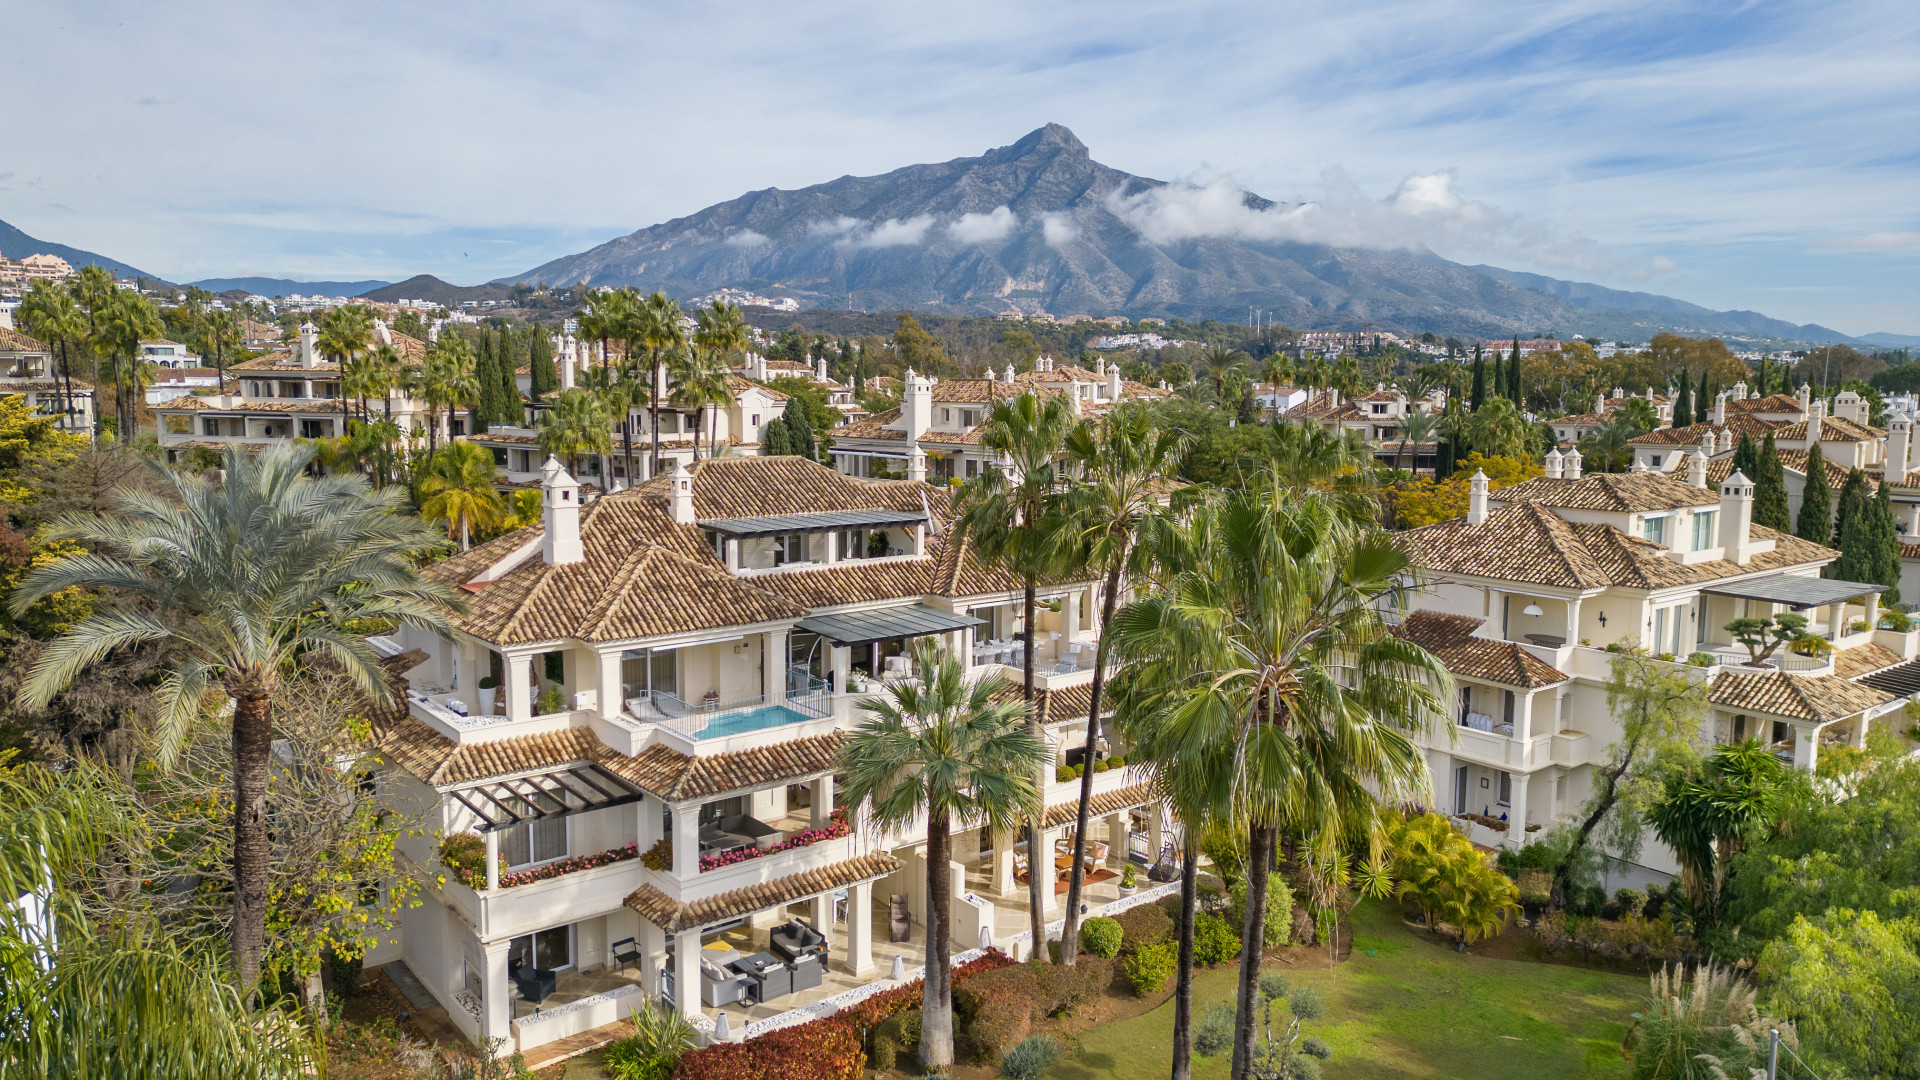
806,699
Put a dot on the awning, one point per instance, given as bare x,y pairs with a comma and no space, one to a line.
823,521
1795,592
573,789
862,627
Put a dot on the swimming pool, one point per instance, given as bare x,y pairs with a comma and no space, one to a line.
739,723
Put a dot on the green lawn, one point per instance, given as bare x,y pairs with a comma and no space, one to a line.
1403,1007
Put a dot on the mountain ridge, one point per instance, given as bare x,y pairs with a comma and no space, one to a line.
273,286
15,244
1035,225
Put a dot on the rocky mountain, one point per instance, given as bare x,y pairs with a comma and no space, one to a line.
15,244
1041,226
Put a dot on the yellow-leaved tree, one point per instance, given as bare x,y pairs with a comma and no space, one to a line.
1425,501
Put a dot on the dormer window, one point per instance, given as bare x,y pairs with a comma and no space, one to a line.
1655,530
1702,529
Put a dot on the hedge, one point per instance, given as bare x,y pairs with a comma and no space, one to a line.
1143,925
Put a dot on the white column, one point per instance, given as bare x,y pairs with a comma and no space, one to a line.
833,547
1573,621
1806,747
1860,727
822,914
1873,611
1156,832
496,1009
686,841
1070,616
653,955
493,859
842,667
1913,523
1517,813
1835,613
1044,865
518,688
1003,881
1119,837
733,553
647,821
686,973
859,958
773,665
822,801
607,690
1523,719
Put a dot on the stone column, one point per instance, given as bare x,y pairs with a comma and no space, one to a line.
773,666
519,688
1119,838
822,801
859,940
1523,718
1044,865
822,914
1873,611
496,1008
686,973
1517,813
686,841
493,859
1004,884
653,956
1806,747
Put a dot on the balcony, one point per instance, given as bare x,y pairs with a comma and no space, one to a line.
709,726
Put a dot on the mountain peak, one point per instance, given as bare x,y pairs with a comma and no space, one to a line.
1053,138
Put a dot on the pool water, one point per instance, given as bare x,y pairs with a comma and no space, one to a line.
766,716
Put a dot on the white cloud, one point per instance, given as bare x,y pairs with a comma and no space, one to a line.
1887,241
837,227
1423,212
748,238
891,233
984,228
1058,229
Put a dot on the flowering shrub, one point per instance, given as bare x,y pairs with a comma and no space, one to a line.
466,855
569,865
660,855
832,830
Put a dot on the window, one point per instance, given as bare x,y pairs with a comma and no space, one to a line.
1655,530
791,548
1702,529
1659,631
648,671
1506,789
1654,461
1379,408
457,426
209,426
499,457
556,666
316,429
756,419
537,841
547,950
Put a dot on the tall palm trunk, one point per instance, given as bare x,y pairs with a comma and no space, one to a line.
936,1026
1252,944
1039,863
252,741
1183,977
653,390
1070,932
626,435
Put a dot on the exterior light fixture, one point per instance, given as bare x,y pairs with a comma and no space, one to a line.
1532,609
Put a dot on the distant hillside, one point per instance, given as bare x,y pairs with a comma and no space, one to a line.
1891,341
15,244
432,289
1041,226
271,286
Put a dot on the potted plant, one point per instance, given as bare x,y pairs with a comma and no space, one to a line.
1128,880
489,690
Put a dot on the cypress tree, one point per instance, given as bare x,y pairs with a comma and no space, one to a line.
774,441
546,377
1770,490
1479,394
1886,546
1683,402
1705,398
799,430
1515,389
1856,533
482,413
1852,497
1746,458
1815,522
509,409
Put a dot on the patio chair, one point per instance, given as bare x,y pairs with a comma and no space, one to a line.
795,941
807,972
535,985
625,953
1096,855
720,986
899,918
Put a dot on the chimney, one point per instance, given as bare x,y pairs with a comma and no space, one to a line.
560,513
1619,392
1639,465
569,351
1815,411
916,405
1553,464
1113,381
1570,465
917,465
309,338
1736,517
1899,435
820,369
1010,373
381,334
992,376
1740,390
1806,398
6,318
1697,469
680,494
1718,415
1477,498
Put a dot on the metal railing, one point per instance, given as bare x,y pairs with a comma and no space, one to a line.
806,696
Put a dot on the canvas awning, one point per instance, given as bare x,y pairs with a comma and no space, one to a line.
863,627
1798,593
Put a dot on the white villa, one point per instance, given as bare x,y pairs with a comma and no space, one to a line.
640,716
26,367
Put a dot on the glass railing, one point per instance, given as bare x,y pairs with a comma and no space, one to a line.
715,718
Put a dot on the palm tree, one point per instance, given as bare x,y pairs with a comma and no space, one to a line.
1277,609
50,313
458,489
1221,359
244,579
576,423
1121,464
946,748
1421,427
127,320
1497,429
359,380
722,329
388,371
447,381
656,328
1017,521
345,332
603,317
704,383
222,331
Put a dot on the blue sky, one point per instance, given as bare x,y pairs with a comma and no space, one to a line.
1760,155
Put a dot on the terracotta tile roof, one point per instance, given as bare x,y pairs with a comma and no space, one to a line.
1449,638
1864,659
971,391
1584,419
1616,492
673,916
675,777
323,406
1832,429
12,341
872,427
280,363
1771,403
740,386
1323,408
1802,697
40,386
1107,802
1692,433
441,762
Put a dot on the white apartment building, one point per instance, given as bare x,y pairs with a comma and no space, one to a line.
168,354
1380,418
1522,596
670,672
26,367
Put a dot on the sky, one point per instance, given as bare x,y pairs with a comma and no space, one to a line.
1762,156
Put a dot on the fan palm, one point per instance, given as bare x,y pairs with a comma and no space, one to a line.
656,328
244,578
51,314
1121,463
945,748
1220,360
1277,606
458,489
577,422
448,380
722,329
1017,521
344,333
704,383
359,380
222,331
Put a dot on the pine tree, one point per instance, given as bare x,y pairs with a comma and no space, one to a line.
1479,395
1886,546
1683,402
546,377
1515,388
1770,490
799,430
1815,522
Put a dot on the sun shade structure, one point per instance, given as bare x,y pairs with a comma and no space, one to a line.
863,627
824,521
1797,593
1903,679
574,789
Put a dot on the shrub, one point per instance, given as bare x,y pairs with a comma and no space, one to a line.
1279,910
1101,766
488,682
1143,925
896,1035
1214,942
826,1049
1030,1059
1058,988
661,1037
1213,1035
999,1022
1101,936
1307,1004
1148,967
553,701
466,855
1631,901
1315,1047
659,856
1062,774
1129,876
1700,659
1210,892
